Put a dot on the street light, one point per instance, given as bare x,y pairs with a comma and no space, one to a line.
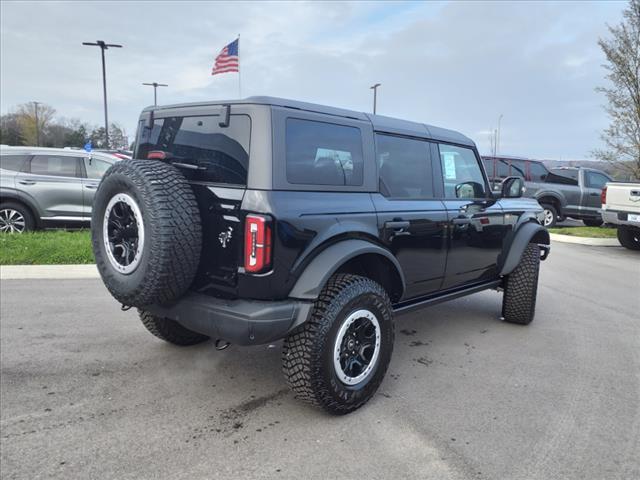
375,95
35,104
155,86
104,46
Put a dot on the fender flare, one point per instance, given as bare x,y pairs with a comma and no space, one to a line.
519,242
327,262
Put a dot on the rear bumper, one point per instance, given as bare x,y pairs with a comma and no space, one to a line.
615,217
242,322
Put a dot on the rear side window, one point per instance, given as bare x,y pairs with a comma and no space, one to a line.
319,153
12,162
60,166
405,167
564,176
220,153
538,172
596,180
461,172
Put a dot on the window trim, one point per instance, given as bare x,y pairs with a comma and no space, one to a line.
429,159
487,190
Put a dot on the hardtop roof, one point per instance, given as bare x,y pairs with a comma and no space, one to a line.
379,122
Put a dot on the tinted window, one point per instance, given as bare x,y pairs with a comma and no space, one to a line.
12,162
596,180
221,153
61,166
538,172
489,167
320,153
95,168
461,171
564,176
518,168
405,167
502,168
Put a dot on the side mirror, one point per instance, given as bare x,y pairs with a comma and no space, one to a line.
469,190
512,187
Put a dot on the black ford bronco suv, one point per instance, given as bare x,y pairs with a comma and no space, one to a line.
264,219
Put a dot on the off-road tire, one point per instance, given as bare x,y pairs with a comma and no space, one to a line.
172,232
521,288
629,237
170,330
307,357
29,220
592,222
554,212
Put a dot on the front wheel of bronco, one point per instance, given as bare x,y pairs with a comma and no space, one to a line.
170,330
521,288
338,358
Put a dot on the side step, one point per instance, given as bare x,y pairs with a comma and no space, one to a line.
416,303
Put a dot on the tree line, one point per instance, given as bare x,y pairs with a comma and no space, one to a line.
20,127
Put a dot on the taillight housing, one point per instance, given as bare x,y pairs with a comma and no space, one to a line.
257,243
603,195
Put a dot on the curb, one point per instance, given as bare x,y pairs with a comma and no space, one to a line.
50,272
594,242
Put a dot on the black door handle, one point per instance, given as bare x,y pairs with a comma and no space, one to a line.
594,194
461,221
397,225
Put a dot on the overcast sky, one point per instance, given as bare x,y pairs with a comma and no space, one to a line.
452,64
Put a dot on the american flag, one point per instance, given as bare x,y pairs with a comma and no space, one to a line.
227,60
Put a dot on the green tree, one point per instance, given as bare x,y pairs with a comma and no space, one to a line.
622,52
27,121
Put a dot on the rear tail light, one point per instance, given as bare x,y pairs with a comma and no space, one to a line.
603,195
257,243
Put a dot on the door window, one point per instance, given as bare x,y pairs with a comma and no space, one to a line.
60,166
95,168
319,153
518,168
596,180
405,167
12,162
461,172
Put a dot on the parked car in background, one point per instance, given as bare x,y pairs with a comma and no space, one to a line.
563,192
621,207
48,187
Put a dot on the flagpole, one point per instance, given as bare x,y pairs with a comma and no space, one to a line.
239,80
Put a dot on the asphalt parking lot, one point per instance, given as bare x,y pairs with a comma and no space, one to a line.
87,393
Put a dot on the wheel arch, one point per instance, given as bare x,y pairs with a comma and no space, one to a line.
14,198
530,232
355,256
551,198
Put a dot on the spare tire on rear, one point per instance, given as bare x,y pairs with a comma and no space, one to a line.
146,232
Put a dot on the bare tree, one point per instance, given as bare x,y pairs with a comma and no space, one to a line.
622,51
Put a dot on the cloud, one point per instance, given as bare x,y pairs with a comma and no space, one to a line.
458,64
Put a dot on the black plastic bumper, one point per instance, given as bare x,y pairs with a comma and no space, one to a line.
242,322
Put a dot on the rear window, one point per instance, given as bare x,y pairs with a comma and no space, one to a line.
319,153
12,162
220,153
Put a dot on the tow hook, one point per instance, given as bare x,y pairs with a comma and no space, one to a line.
222,344
124,307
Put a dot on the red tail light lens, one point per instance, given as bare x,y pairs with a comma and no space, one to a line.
257,243
156,155
603,195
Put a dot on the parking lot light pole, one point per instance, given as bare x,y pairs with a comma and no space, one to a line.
104,46
498,135
35,104
155,86
375,95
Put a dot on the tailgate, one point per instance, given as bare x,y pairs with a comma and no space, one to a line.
623,197
222,236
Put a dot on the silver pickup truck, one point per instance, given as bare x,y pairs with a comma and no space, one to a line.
621,207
